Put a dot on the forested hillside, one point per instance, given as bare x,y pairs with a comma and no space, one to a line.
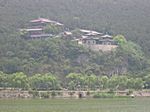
127,17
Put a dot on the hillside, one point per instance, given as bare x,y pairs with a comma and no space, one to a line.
130,18
126,17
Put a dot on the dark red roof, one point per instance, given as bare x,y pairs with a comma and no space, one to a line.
41,20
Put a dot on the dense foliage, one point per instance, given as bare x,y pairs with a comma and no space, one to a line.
74,81
127,17
61,57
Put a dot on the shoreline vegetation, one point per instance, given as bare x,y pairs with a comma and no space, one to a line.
11,93
75,85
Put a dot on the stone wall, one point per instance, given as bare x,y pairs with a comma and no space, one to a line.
103,48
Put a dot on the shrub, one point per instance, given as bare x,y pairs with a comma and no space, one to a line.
35,93
111,91
45,94
53,94
88,93
103,95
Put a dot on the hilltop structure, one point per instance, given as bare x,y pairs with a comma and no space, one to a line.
97,41
37,27
90,39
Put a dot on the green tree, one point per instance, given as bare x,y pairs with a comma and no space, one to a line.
35,81
51,81
120,39
75,79
45,82
71,85
19,80
147,81
114,82
104,80
135,83
52,29
122,82
131,57
4,80
91,81
138,84
130,83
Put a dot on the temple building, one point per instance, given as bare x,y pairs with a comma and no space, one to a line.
36,29
97,41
